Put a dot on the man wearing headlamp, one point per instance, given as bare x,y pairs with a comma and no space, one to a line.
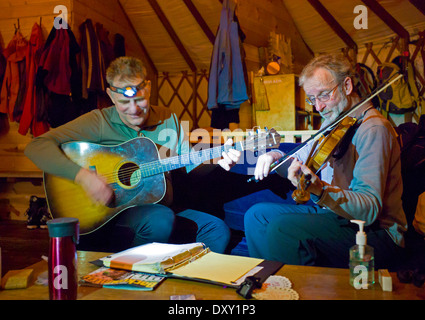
131,116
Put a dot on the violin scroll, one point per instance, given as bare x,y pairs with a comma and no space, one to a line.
301,195
320,153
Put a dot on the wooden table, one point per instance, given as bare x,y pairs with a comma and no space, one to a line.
311,283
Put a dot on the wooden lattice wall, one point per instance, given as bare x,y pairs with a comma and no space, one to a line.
186,94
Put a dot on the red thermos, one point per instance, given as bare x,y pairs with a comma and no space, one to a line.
62,263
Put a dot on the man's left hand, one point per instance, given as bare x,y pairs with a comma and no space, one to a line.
294,172
230,157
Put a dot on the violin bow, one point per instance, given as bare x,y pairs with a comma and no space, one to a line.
330,126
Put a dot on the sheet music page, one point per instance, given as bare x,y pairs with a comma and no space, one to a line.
218,267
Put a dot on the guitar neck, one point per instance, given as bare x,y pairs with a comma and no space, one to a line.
192,158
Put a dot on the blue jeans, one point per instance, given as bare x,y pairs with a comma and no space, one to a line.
310,235
157,223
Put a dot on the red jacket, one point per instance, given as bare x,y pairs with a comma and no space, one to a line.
55,61
15,55
29,119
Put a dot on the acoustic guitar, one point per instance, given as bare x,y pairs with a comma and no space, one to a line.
135,172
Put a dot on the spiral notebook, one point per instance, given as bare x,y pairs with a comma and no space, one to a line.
193,261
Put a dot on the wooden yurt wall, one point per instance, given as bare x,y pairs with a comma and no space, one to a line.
19,177
28,13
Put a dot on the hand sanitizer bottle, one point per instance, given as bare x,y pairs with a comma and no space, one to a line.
362,264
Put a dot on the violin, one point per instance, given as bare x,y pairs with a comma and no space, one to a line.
323,148
332,126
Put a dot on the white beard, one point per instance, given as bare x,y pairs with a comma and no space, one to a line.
337,110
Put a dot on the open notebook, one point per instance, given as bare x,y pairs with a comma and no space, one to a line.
192,261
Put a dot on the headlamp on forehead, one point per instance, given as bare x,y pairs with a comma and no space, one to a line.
129,91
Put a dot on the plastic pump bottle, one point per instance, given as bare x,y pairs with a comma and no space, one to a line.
362,263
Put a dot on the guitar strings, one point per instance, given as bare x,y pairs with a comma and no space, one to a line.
163,165
149,167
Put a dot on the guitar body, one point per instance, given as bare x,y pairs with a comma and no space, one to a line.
135,172
120,165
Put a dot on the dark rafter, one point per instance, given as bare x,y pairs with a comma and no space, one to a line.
155,6
387,18
336,27
154,94
419,4
200,20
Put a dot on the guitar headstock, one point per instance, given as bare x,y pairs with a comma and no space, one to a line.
267,139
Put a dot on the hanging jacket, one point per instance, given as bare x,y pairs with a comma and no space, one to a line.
30,120
15,70
227,78
92,63
2,67
106,47
58,81
55,63
119,45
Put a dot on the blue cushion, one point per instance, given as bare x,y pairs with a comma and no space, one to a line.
235,210
241,249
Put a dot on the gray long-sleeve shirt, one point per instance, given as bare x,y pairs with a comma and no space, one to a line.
366,183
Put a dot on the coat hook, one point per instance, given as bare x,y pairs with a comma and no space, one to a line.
16,28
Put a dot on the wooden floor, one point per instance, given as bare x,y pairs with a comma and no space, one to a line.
21,247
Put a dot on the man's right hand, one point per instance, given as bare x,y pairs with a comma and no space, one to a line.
95,186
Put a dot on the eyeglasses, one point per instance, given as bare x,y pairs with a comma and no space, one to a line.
130,91
322,97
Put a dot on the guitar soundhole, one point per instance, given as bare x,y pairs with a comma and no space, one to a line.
129,174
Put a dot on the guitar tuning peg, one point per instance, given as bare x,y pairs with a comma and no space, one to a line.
266,129
250,133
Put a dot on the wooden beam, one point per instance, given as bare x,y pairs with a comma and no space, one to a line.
419,4
151,65
194,104
389,20
198,17
142,46
336,27
155,6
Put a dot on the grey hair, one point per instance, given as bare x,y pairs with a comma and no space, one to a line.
125,68
336,64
